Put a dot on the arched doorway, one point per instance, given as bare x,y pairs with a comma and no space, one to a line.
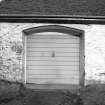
54,57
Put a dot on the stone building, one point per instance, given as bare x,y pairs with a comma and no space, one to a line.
25,24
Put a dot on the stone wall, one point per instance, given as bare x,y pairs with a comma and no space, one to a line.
11,50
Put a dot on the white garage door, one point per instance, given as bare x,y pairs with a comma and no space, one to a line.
52,58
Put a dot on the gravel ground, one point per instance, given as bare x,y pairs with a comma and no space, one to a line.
17,94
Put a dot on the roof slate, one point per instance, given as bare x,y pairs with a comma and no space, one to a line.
53,7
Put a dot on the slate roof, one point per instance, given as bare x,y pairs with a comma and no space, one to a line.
53,7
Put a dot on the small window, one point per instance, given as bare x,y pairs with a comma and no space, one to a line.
53,57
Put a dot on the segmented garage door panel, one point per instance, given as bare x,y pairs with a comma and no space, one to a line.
48,54
34,67
55,45
52,58
52,71
52,63
53,81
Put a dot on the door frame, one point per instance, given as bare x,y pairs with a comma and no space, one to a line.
62,29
